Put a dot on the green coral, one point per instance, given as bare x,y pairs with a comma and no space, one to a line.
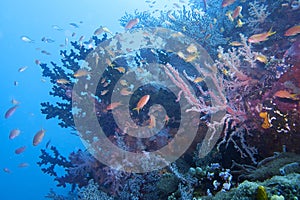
273,166
287,186
168,184
276,197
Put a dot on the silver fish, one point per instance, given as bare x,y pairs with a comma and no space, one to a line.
27,39
55,27
22,69
47,40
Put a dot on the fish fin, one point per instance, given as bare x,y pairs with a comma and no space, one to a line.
270,32
137,109
295,96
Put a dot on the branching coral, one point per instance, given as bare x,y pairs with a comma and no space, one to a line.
51,161
145,19
229,73
52,111
80,168
234,64
84,167
231,62
259,13
70,63
72,195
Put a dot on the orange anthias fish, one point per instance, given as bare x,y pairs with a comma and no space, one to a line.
227,2
10,111
80,73
260,37
14,133
20,150
237,12
283,94
38,137
292,31
23,164
132,23
121,69
62,81
236,43
113,105
152,122
142,102
125,92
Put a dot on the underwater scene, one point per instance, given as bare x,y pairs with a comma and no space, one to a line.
150,100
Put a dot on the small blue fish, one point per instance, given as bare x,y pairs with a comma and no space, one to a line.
55,27
48,143
45,52
74,25
47,40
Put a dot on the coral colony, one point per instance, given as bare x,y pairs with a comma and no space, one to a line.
253,79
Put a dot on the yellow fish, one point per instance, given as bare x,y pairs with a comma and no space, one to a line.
123,82
191,48
235,43
62,81
102,29
178,34
80,73
198,80
106,30
261,58
260,37
239,23
121,69
191,58
229,15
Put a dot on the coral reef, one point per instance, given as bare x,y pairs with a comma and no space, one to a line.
258,12
279,164
51,161
54,196
254,115
92,192
278,187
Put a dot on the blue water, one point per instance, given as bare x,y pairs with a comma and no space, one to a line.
35,19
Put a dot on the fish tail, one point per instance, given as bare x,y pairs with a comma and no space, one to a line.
137,109
270,32
295,96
